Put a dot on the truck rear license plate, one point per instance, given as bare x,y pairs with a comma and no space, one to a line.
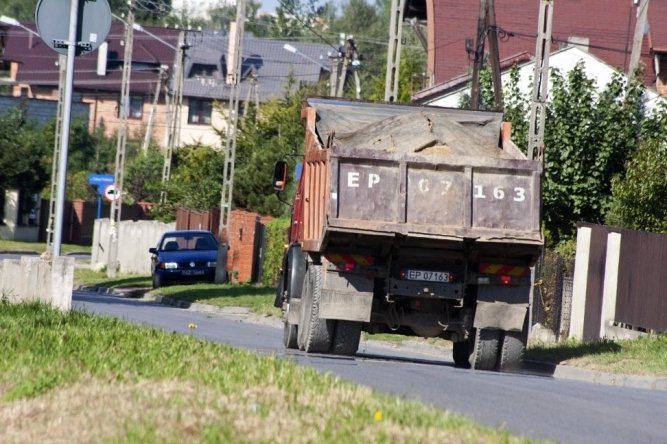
429,276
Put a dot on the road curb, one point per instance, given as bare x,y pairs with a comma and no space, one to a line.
529,367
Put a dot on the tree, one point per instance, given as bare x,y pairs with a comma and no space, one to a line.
195,183
588,140
22,157
143,180
275,134
640,193
147,11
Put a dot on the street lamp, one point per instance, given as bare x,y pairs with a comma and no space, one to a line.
293,50
13,22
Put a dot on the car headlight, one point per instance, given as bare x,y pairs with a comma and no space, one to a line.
211,263
169,265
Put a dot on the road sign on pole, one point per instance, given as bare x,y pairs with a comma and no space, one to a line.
82,31
53,24
110,193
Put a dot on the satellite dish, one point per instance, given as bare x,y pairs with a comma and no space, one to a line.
52,19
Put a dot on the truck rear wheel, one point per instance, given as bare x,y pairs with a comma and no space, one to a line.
347,337
484,349
315,334
510,354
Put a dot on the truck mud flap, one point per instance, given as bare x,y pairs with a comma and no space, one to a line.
346,306
500,315
294,311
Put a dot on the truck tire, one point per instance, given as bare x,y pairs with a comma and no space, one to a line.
461,354
315,334
485,349
347,337
510,353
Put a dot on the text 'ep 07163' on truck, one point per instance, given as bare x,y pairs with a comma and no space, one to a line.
417,220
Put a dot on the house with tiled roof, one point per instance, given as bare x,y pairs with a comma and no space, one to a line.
34,73
604,28
266,70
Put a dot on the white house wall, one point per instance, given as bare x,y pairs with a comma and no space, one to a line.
203,134
564,60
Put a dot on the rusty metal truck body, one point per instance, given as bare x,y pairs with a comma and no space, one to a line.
417,220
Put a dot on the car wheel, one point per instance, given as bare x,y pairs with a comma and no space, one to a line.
157,281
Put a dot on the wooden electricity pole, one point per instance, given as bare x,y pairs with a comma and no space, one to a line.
486,29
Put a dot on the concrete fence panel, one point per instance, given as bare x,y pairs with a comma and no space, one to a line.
134,240
32,279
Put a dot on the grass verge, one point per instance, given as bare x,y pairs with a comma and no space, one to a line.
88,277
643,356
40,247
84,378
257,299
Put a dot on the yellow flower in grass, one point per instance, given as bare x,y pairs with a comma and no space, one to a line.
378,416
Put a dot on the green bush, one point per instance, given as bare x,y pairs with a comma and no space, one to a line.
276,238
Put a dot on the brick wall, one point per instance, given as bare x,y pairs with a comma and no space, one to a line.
606,23
243,239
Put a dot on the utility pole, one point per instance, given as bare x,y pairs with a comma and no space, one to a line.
116,203
253,93
151,116
486,29
174,107
234,78
541,82
50,227
394,50
479,55
640,28
494,55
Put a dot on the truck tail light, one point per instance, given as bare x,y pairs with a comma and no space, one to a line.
505,279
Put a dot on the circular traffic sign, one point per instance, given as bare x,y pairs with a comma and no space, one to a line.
110,193
52,19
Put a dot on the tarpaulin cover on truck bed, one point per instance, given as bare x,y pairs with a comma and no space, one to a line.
393,127
423,132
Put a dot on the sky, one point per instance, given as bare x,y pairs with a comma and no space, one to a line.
203,5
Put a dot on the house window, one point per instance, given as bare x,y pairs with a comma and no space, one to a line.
136,109
201,71
199,112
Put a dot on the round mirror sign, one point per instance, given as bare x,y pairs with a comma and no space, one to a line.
52,19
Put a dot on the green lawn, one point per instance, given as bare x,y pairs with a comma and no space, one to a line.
77,377
40,247
644,356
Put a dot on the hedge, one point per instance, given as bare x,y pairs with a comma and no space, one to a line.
276,239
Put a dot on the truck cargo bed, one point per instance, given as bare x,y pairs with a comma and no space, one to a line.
417,172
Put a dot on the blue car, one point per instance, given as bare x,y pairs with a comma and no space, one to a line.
184,256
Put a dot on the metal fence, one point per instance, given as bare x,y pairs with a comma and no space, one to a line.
552,294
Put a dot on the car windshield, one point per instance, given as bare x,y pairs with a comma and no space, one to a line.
184,242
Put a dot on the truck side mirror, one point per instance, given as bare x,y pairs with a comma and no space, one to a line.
280,175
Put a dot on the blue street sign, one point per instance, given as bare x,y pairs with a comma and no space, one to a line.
101,180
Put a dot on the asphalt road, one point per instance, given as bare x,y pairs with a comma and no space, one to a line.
533,406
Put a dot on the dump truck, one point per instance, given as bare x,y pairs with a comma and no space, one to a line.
415,220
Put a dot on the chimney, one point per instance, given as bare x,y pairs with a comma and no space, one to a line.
102,59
